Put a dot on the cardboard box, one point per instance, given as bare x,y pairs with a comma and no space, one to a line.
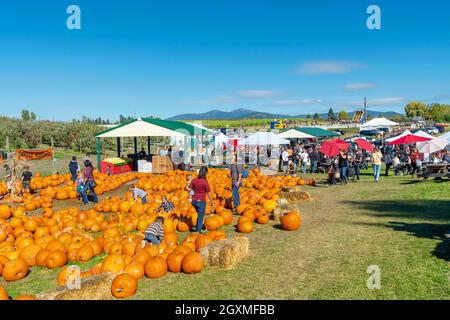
161,164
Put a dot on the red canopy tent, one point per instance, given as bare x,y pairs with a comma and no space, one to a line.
364,144
408,139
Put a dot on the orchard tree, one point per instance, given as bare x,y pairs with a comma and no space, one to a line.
331,115
343,115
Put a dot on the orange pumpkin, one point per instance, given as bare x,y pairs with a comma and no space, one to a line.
85,254
245,227
136,269
155,267
192,263
56,259
290,221
174,261
171,238
15,270
3,294
124,286
28,254
113,263
5,211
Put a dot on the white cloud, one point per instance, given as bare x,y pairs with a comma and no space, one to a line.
328,67
258,94
359,86
296,102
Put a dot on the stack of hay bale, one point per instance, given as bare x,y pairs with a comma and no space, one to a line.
225,253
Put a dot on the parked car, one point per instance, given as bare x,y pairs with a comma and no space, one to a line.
431,130
369,133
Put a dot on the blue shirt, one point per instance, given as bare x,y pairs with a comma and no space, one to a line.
139,193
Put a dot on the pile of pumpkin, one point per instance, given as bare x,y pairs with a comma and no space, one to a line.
110,227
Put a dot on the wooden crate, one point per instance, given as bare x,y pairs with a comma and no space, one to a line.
161,164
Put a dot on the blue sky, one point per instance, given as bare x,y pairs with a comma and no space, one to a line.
145,57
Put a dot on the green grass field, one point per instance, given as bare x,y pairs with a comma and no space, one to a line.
397,225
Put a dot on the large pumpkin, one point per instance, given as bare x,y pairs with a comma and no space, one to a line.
192,263
227,216
113,263
5,211
174,261
290,221
124,286
56,259
41,257
28,254
155,267
245,226
15,270
136,269
171,238
85,254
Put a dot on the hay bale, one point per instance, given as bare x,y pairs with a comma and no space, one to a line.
296,196
291,189
97,287
225,253
281,209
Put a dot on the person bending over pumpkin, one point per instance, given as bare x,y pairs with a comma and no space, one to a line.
154,233
139,193
166,205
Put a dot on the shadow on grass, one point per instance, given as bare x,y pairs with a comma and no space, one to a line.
409,209
407,213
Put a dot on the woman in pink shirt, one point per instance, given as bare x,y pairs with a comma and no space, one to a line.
201,189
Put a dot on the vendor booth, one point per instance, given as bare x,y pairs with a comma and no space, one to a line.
190,136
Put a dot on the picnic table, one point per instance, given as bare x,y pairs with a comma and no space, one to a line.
438,170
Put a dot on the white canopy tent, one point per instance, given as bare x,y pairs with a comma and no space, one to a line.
421,133
445,137
220,138
294,134
263,139
378,123
407,132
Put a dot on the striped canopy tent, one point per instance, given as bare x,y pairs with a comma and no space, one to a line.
309,132
149,127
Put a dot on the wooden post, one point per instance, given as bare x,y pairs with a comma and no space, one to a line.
53,155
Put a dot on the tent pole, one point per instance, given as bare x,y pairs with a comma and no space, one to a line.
98,153
148,145
118,147
135,145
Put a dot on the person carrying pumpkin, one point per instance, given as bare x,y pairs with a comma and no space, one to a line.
166,205
138,193
154,232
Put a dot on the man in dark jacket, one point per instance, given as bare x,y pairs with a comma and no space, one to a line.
315,159
74,168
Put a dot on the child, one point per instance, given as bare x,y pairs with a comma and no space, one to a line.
154,232
80,186
291,167
139,193
26,179
189,179
166,205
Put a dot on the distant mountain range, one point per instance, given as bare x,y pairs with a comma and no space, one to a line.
251,114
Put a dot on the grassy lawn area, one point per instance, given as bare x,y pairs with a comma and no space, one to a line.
397,225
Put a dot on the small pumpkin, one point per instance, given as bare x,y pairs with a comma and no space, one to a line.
174,260
136,269
245,227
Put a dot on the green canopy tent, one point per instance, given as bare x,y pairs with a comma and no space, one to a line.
315,132
149,127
